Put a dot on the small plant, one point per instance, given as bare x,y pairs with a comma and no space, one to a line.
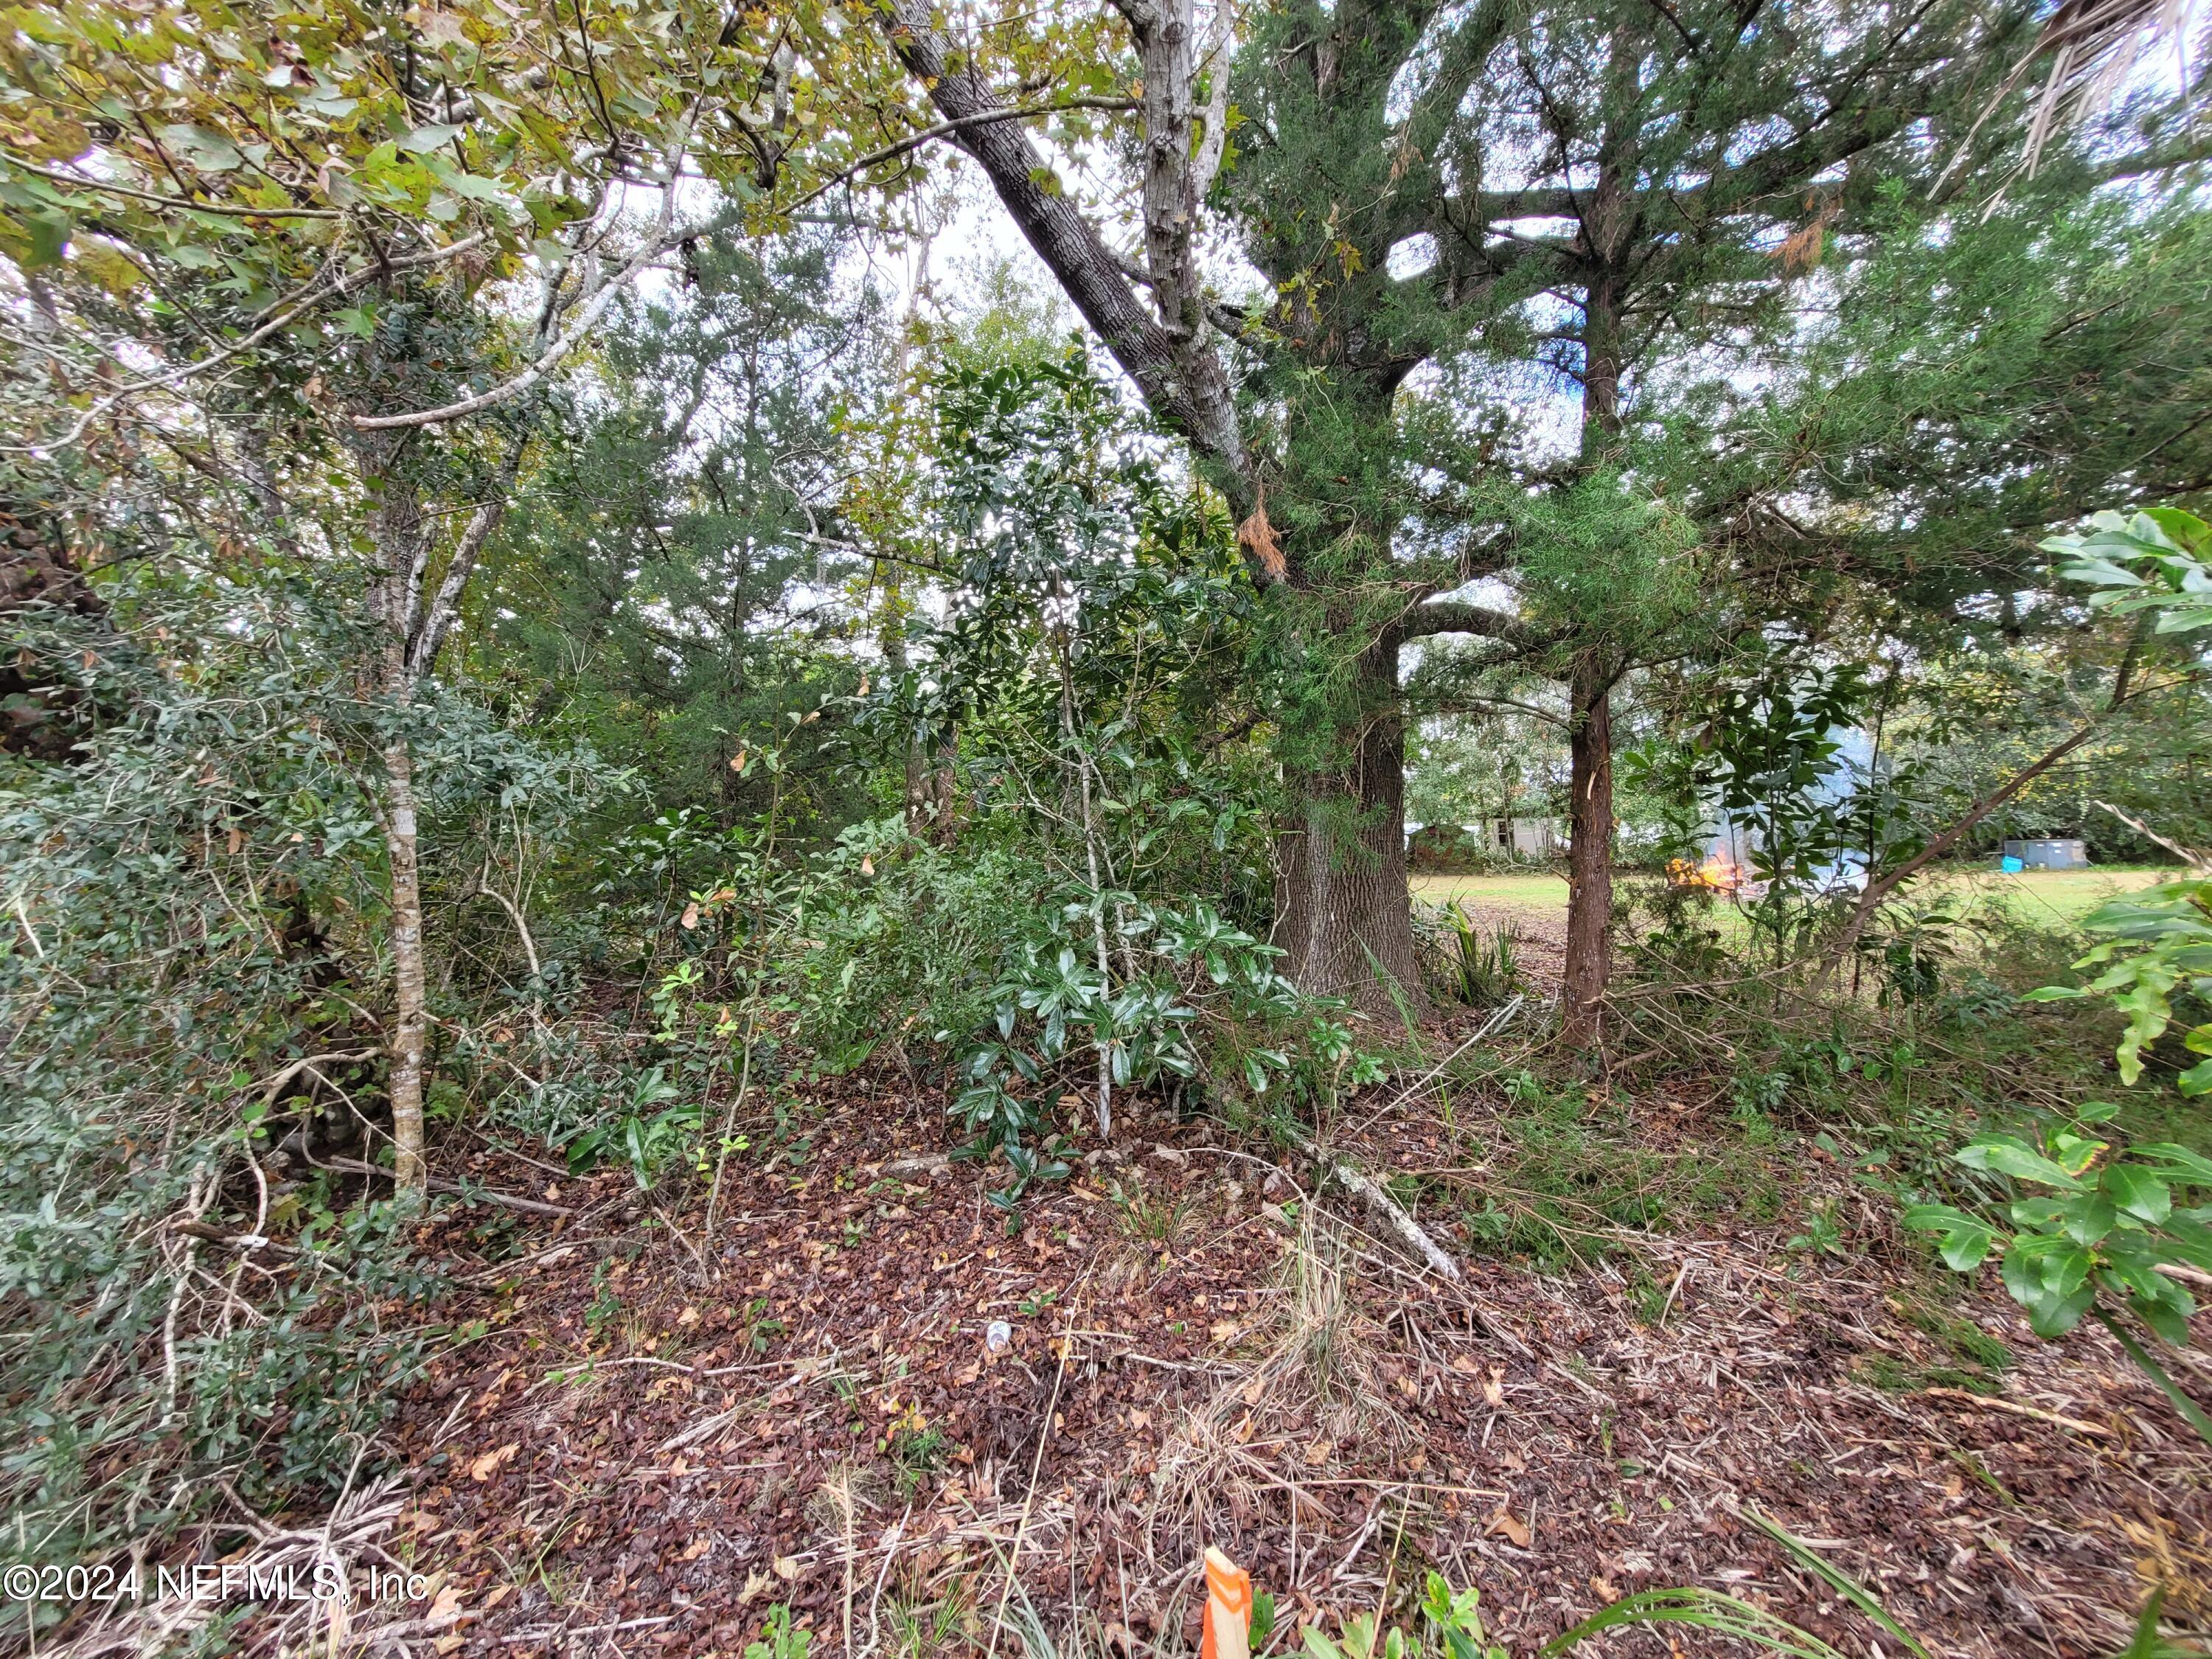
646,1139
1478,966
917,1450
760,1330
2095,1227
1822,1237
778,1639
605,1306
1145,1217
1451,1618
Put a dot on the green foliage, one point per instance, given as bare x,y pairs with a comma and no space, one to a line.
195,899
1467,962
2160,949
647,1139
1451,1626
778,1640
2153,563
2105,1227
1565,1182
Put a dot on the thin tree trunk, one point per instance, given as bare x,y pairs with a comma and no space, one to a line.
1590,854
1343,910
411,1020
1590,681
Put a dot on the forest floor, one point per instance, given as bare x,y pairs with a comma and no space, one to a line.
665,1429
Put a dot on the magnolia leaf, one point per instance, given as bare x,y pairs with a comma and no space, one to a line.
2139,1193
2008,1155
1966,1239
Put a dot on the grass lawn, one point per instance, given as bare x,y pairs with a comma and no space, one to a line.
2051,894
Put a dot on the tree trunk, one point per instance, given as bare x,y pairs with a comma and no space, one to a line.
1342,911
411,1017
1589,853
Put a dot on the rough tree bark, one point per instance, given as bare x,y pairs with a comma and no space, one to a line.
1340,904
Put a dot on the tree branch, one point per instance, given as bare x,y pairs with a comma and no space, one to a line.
1463,617
1183,381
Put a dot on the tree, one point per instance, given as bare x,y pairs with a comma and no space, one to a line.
667,588
1628,173
326,204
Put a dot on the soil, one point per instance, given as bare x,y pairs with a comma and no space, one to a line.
664,1431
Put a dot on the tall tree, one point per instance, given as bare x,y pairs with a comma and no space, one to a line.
1586,190
328,200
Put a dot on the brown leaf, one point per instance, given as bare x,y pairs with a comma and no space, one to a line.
492,1462
1603,1588
1493,1389
786,1567
690,917
1507,1525
1257,537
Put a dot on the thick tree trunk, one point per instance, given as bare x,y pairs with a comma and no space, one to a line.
1342,911
1590,854
411,1016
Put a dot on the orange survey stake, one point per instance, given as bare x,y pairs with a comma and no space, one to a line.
1228,1609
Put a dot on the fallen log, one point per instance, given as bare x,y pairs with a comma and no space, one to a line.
1388,1213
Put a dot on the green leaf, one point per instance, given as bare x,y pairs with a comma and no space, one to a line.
427,138
1966,1239
2139,1193
2176,1162
2009,1155
2053,1315
2169,1322
2089,1218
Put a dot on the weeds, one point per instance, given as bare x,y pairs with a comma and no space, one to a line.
1145,1217
1564,1178
1467,962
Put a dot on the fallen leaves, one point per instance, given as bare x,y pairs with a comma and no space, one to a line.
492,1462
1507,1525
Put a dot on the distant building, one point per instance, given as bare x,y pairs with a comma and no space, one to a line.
1435,845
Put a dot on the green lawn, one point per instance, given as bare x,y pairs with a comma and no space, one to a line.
1536,895
2054,894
